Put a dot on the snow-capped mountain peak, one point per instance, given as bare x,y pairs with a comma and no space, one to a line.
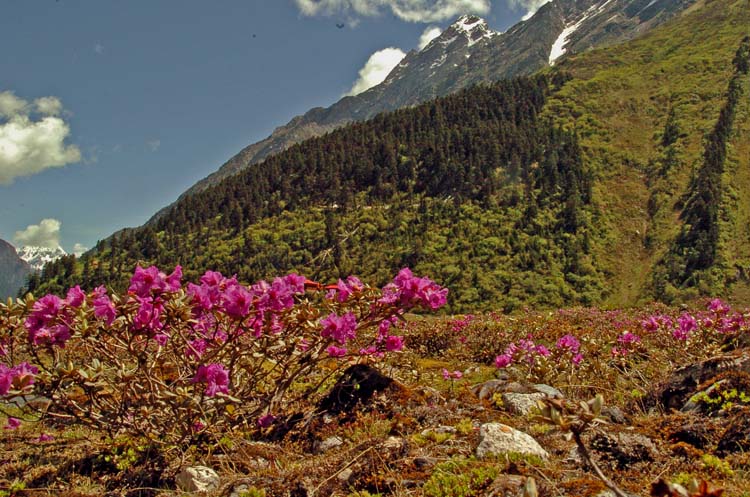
473,28
37,257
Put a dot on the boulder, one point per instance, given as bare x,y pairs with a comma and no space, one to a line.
197,479
497,439
522,404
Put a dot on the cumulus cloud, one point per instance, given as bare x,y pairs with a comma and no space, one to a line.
153,145
44,234
376,69
530,6
428,35
406,10
32,137
79,249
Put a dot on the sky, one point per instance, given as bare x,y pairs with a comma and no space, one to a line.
110,109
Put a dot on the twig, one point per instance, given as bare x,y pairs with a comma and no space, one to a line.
588,460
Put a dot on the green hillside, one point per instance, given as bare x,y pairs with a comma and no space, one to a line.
572,187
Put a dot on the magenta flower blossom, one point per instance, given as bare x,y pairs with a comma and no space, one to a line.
146,281
266,420
340,328
455,375
569,342
216,378
47,307
650,324
504,360
628,338
685,325
237,301
295,282
75,297
103,307
394,343
12,424
577,359
718,306
334,351
149,315
409,290
44,437
196,348
542,350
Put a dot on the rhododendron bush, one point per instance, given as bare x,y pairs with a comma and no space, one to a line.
168,361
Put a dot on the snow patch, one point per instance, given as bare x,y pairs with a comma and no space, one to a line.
37,257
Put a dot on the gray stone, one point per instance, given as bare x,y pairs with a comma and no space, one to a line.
521,403
329,443
497,438
197,479
615,415
345,475
487,389
547,390
425,462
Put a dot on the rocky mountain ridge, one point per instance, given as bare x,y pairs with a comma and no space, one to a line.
468,52
13,270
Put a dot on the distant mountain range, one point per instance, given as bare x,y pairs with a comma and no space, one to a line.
465,54
17,265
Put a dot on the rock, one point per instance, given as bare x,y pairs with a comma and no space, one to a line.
507,486
425,462
497,438
486,390
328,444
357,385
197,479
547,390
345,475
394,448
736,437
615,414
439,429
624,449
682,384
522,403
696,433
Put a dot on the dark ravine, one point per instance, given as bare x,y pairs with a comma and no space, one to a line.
465,54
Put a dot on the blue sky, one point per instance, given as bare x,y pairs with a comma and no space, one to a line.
117,107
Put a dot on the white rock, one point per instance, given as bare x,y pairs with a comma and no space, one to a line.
521,403
197,479
497,438
330,443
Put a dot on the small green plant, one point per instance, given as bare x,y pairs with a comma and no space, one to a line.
253,492
465,426
431,436
460,477
717,465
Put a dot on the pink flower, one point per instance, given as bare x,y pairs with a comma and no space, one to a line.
334,351
12,424
75,297
216,378
103,307
569,342
447,375
650,324
577,359
718,306
237,301
504,360
44,437
687,324
628,338
341,329
266,420
394,343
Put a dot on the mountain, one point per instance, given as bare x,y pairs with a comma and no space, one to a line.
465,54
37,257
13,271
613,177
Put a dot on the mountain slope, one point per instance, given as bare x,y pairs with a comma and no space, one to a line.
569,187
13,271
467,53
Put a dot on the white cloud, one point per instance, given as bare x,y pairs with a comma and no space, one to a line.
406,10
428,35
153,145
376,69
79,249
44,234
530,6
32,137
99,48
